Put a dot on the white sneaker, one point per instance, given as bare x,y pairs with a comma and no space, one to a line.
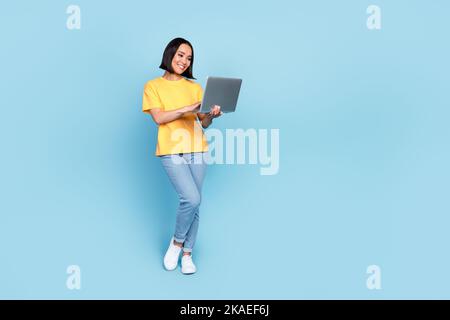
171,256
187,265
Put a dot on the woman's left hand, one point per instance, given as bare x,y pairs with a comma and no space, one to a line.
215,112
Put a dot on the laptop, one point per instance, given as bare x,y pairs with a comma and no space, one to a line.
221,91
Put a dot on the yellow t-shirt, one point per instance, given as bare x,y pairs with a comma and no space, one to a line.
182,135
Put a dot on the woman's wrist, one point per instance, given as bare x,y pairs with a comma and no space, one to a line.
206,121
182,111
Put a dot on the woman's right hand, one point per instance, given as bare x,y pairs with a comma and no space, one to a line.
163,117
194,108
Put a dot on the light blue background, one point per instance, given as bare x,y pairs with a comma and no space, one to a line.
364,150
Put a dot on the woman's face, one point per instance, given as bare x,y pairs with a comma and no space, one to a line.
182,59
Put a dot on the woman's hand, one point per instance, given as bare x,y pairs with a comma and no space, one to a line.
206,118
215,112
163,117
194,108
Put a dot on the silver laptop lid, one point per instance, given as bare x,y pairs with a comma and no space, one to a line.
221,91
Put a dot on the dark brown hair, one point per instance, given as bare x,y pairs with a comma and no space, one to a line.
169,53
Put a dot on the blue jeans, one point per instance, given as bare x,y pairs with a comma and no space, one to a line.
186,172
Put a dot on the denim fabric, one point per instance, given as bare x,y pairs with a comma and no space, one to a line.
186,173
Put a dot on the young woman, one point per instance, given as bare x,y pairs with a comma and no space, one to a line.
173,101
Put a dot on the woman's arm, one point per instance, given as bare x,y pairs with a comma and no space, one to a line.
161,117
206,118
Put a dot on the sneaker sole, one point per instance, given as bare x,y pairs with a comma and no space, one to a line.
188,272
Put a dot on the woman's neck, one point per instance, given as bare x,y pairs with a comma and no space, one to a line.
171,76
